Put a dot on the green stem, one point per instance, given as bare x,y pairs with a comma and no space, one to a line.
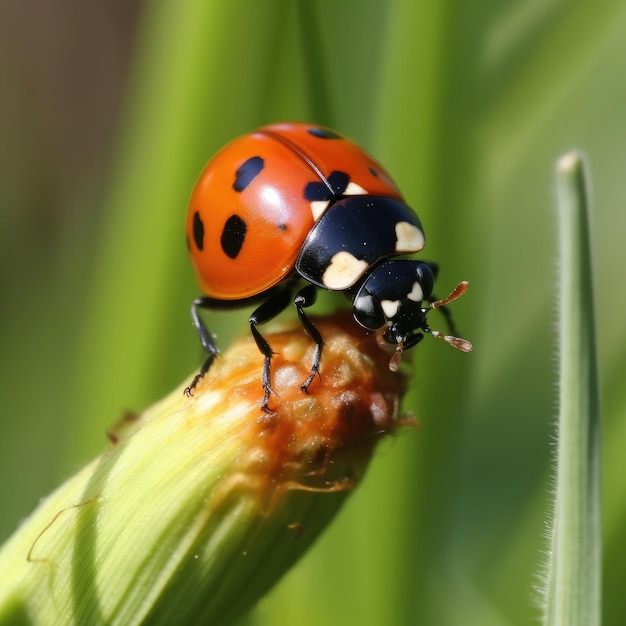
574,582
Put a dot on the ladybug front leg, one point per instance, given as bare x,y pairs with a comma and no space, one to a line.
445,311
305,298
206,339
264,313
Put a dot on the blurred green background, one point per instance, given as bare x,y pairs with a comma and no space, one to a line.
108,112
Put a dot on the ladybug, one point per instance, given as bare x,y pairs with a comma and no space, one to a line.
292,208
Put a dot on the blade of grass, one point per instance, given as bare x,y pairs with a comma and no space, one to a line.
574,577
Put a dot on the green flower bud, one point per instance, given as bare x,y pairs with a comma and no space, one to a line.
202,503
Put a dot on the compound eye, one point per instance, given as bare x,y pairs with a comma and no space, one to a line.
425,278
368,312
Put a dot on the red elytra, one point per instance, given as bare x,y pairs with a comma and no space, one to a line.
249,213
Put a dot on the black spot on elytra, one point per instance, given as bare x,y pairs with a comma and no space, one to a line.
337,183
198,231
373,171
233,235
323,133
247,172
282,226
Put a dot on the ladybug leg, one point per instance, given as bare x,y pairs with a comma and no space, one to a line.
264,313
445,311
413,340
206,339
305,298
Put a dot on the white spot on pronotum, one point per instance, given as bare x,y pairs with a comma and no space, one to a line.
390,307
344,270
354,190
416,294
409,238
318,207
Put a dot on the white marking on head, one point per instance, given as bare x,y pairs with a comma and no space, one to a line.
344,270
354,190
409,238
390,307
416,294
318,207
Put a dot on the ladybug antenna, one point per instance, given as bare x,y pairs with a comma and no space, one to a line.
456,342
394,363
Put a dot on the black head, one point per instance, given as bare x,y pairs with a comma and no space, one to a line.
392,297
391,300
